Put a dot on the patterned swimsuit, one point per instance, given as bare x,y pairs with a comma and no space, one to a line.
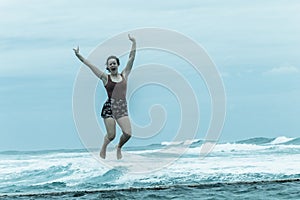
116,104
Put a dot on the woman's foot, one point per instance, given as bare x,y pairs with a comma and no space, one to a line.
103,153
119,153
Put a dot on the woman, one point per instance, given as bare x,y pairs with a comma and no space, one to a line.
115,108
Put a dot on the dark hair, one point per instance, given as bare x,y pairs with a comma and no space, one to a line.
113,57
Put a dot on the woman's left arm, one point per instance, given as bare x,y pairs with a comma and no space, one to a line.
128,67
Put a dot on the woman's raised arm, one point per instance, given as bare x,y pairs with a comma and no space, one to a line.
100,74
128,67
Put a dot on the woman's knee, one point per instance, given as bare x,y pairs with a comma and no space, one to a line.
127,130
127,134
111,136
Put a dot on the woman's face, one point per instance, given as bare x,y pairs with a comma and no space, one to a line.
112,65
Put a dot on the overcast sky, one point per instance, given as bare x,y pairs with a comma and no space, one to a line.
255,46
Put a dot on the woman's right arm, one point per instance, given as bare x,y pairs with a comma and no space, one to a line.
100,74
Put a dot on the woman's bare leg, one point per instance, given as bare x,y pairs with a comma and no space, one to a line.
110,125
125,125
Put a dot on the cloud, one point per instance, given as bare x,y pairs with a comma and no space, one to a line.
283,70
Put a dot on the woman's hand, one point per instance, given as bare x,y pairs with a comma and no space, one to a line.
132,39
80,57
76,50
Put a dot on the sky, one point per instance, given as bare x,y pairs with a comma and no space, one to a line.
255,46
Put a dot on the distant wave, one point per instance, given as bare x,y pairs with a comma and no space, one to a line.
281,140
193,147
274,141
39,152
250,141
295,141
256,140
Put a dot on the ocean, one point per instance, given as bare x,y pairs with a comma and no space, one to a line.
255,168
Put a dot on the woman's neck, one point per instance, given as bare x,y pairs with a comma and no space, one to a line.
116,77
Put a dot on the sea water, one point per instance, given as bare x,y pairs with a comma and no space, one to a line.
256,168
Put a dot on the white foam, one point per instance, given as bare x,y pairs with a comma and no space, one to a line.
281,139
171,143
231,147
220,168
188,142
145,151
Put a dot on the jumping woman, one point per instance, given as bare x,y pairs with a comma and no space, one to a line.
114,110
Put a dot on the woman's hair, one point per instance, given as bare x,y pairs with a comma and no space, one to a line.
113,57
